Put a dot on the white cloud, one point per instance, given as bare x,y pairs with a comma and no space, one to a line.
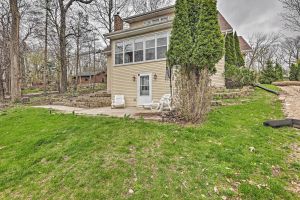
251,16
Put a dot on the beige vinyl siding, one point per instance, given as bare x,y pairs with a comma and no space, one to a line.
109,68
123,84
218,79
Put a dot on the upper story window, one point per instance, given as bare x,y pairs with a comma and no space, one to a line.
157,20
128,52
138,51
141,49
119,53
162,46
150,49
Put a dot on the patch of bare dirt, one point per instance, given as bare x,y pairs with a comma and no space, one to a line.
295,158
291,99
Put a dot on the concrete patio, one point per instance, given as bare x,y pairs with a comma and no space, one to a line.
132,112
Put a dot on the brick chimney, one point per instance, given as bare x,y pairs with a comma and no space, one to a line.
118,22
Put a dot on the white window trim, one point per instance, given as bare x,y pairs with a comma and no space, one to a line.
143,39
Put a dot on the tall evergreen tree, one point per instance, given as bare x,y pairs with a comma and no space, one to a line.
194,9
295,72
240,62
208,46
279,72
230,53
181,39
197,46
268,75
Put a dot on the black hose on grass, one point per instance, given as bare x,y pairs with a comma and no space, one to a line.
283,123
266,89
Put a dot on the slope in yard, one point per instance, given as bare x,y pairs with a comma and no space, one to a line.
231,156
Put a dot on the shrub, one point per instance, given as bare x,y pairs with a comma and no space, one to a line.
237,77
271,73
295,72
279,72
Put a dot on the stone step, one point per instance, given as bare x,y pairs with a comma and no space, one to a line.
87,99
216,103
231,95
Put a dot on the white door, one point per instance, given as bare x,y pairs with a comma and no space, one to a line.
144,88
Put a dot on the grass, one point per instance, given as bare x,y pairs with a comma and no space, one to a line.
57,156
32,90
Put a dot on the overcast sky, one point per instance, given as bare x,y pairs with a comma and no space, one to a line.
250,16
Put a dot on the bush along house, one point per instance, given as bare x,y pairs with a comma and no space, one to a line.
136,57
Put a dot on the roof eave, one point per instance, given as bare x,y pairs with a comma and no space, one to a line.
136,17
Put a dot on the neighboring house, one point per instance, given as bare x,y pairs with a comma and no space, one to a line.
244,46
136,59
91,77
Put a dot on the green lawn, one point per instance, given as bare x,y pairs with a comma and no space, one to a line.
56,156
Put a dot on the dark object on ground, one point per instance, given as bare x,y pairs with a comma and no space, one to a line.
283,123
233,84
267,89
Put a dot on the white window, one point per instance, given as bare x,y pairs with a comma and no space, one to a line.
150,49
161,46
144,86
138,50
119,53
141,49
128,52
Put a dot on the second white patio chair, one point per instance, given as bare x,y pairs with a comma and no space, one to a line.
164,103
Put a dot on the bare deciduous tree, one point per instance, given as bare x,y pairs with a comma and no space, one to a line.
290,50
64,6
105,10
264,48
4,48
141,6
291,15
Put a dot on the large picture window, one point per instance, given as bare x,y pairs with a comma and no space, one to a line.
150,49
141,49
119,53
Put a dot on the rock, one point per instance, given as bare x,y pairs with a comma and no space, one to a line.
216,190
131,191
252,149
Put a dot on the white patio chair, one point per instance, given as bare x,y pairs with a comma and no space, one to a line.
118,102
164,102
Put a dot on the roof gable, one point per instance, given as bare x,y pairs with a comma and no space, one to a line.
245,47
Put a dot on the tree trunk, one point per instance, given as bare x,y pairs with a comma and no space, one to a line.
110,16
62,48
46,49
77,61
94,67
15,52
2,94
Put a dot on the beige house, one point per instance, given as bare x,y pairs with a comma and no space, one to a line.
136,65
